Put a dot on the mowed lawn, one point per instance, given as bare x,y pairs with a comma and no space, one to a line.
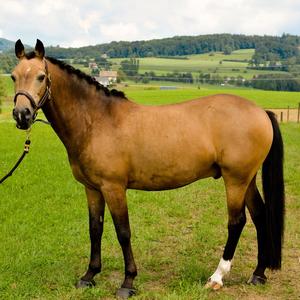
177,236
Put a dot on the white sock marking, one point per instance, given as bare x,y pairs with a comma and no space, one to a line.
223,269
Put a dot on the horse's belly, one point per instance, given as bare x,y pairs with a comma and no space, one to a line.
169,178
170,161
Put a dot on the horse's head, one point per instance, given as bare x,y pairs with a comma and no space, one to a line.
32,84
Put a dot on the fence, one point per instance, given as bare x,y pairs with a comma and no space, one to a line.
288,114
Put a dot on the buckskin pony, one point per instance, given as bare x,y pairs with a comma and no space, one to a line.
114,144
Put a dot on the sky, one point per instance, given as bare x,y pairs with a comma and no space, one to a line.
75,23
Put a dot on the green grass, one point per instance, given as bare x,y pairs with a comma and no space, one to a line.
205,63
265,99
177,235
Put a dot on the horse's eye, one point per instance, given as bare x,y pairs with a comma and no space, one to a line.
41,77
13,78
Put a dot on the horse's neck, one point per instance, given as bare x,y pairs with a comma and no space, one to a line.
71,106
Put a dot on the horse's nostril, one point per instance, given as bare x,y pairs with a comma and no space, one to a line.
23,117
27,113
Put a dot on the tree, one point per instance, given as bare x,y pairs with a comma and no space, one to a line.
130,67
102,63
227,50
276,82
7,63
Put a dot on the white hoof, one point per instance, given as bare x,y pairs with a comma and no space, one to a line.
213,285
215,282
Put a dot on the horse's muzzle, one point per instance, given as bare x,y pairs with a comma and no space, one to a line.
23,117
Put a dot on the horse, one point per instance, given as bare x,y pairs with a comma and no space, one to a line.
114,144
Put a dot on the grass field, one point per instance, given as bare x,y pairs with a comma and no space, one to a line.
265,99
177,235
205,63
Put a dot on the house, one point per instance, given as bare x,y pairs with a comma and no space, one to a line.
93,65
107,78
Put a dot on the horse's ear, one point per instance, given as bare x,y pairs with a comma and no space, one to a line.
19,49
39,49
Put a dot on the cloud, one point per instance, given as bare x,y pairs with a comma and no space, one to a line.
78,23
119,30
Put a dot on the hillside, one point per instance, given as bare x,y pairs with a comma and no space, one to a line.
267,47
6,44
284,46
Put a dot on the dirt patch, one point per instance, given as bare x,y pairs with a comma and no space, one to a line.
286,115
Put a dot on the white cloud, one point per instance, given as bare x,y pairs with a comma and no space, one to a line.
78,23
119,31
87,22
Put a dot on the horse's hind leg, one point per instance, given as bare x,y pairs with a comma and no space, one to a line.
235,191
96,207
115,197
257,211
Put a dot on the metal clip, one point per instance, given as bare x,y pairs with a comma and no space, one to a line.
26,146
27,142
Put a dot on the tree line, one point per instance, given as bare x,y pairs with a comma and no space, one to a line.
278,82
272,53
284,46
267,47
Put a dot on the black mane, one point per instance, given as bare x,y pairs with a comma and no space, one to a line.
89,79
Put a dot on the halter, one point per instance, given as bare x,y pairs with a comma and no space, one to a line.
46,96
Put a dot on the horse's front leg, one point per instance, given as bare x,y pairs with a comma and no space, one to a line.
96,205
115,197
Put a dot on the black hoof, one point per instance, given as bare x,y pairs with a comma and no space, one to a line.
257,280
125,293
85,284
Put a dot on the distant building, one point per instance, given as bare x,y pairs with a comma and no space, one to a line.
93,65
107,78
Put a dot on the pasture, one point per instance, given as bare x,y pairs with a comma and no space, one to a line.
234,64
266,99
44,224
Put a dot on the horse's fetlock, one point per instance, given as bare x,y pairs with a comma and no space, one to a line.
132,274
95,269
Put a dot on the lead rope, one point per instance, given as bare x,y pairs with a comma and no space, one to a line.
25,151
42,121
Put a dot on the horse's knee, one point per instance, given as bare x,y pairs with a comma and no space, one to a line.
123,235
237,219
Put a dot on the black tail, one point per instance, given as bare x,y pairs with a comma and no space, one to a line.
273,188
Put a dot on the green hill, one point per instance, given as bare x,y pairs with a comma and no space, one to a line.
283,47
6,45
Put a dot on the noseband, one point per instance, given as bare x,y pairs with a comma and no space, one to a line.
46,96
